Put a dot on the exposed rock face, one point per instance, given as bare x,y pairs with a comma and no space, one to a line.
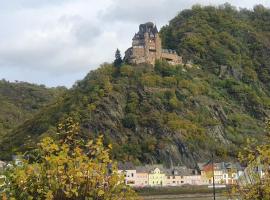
226,72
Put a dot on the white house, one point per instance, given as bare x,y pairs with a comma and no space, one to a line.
129,172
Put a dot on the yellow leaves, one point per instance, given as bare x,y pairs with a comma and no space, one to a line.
110,146
47,145
72,169
100,193
255,184
79,174
49,195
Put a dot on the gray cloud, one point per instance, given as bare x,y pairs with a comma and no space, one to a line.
58,41
161,11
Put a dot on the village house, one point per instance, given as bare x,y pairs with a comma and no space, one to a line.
156,176
182,175
232,174
129,172
224,173
141,177
193,178
174,177
147,48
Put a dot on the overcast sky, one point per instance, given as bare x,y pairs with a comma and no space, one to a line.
56,42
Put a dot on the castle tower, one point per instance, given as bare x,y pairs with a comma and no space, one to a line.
146,47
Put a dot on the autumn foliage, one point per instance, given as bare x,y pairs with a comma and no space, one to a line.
69,169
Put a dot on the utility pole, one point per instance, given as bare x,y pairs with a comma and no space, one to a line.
213,170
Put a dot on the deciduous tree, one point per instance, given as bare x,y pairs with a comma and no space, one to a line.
69,169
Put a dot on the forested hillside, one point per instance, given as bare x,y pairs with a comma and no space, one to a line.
174,114
20,101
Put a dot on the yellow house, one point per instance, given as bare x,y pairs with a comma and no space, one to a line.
156,177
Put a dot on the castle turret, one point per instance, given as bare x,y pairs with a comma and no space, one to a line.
146,47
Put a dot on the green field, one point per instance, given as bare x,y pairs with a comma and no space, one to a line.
181,193
184,197
179,190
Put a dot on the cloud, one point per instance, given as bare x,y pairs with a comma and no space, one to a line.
58,41
50,40
161,11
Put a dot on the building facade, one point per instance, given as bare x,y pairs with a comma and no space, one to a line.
174,177
141,177
156,177
129,172
147,48
224,173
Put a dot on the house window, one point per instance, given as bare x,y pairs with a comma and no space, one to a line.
132,175
130,182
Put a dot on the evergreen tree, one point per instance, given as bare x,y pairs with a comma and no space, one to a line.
118,58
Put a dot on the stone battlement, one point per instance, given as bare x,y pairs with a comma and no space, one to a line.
147,48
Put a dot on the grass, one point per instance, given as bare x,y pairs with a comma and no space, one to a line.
177,190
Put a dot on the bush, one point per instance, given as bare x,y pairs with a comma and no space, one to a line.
70,169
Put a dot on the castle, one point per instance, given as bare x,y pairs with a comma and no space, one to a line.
147,48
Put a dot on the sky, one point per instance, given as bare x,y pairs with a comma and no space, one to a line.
57,42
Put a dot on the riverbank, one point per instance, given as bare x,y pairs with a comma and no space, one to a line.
179,190
185,197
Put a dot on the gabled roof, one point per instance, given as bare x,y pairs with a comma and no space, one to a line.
149,168
180,171
219,166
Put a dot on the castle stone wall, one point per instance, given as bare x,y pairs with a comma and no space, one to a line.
147,48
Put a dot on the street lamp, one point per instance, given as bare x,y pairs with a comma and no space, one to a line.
213,170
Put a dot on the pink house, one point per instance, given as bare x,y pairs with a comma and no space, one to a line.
141,177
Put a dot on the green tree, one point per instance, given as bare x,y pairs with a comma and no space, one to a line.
118,58
69,169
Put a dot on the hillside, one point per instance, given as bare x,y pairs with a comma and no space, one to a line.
174,114
20,101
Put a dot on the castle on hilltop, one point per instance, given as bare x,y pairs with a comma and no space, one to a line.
147,48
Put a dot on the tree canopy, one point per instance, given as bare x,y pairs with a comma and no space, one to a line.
69,168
